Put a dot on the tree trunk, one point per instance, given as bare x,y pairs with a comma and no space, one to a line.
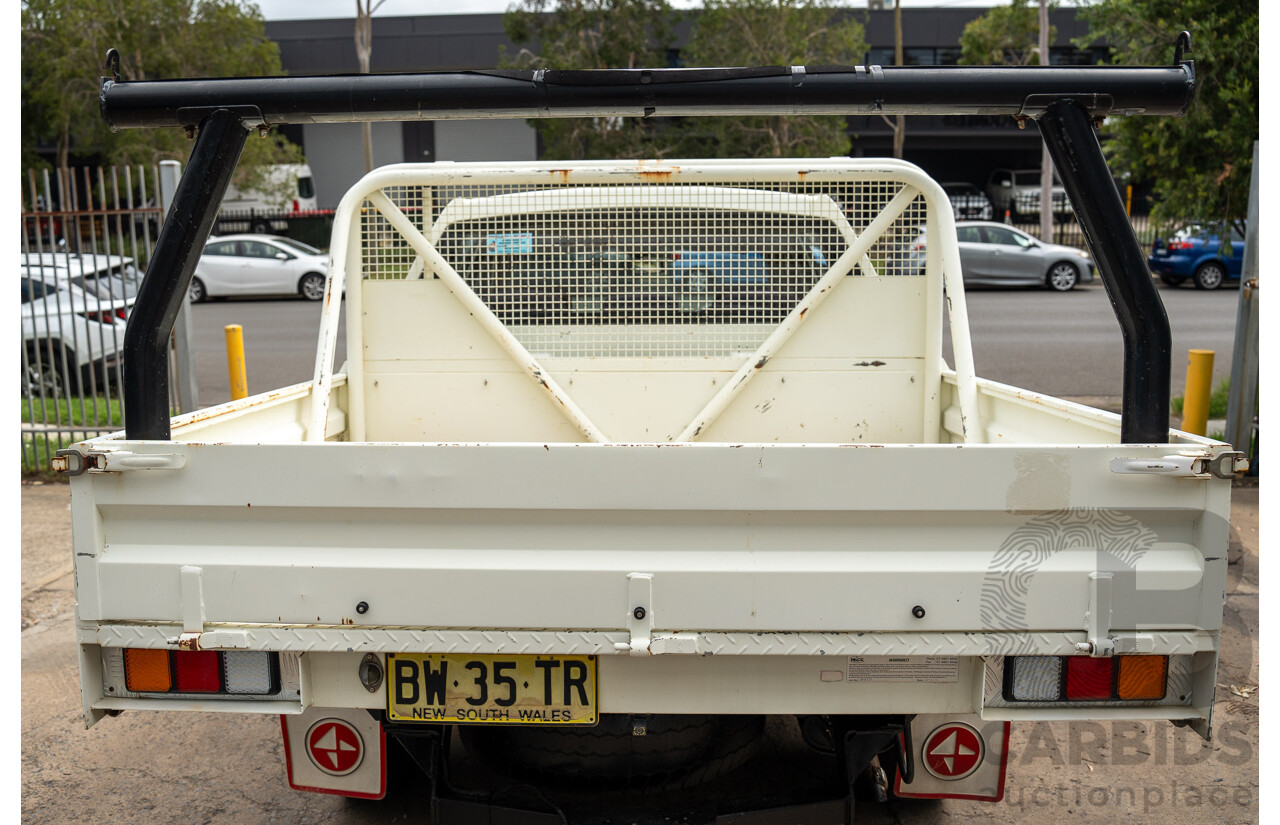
364,51
1046,162
900,122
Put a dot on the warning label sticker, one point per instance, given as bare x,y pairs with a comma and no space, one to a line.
903,668
509,243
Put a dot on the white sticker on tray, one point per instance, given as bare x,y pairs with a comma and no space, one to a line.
903,668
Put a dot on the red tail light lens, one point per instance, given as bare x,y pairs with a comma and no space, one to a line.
295,204
1180,245
197,671
1089,678
120,313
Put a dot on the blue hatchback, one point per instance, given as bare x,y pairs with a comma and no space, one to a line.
1197,253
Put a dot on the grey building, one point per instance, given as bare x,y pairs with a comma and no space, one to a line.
949,148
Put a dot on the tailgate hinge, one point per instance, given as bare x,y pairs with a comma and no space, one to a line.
1198,465
1098,622
639,614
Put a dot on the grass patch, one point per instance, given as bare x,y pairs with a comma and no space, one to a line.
91,412
77,412
1217,400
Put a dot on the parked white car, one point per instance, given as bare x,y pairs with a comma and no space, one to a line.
72,338
111,276
235,265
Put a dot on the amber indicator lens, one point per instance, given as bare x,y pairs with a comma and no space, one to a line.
147,671
1089,678
1142,677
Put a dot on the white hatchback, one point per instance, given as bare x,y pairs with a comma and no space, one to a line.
71,337
235,265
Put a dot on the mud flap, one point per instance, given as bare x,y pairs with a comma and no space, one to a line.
956,757
337,751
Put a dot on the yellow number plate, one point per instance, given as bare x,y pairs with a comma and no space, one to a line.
474,689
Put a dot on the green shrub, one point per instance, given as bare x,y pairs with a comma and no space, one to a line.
1217,400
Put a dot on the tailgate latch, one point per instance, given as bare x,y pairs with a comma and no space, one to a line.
1223,465
74,463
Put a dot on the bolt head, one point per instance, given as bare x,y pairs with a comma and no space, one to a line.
362,608
639,613
918,612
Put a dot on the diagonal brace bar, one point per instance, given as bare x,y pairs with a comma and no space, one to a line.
496,329
817,294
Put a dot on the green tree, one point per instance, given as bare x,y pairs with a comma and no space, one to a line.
1200,164
1005,35
63,45
594,34
772,33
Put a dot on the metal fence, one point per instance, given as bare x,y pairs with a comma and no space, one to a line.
1067,231
86,240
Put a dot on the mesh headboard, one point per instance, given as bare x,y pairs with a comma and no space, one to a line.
644,301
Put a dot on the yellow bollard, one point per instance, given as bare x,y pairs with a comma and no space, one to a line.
235,361
1195,401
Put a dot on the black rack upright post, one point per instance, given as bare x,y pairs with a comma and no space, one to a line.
182,238
1068,132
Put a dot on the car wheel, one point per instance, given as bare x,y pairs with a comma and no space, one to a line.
44,374
1062,277
1171,280
1210,275
260,227
196,292
311,286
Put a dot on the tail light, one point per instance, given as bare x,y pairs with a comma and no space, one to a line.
1068,679
919,247
147,671
1089,678
201,671
107,316
197,671
1180,245
295,204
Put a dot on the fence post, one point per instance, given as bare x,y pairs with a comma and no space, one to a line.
1243,397
188,391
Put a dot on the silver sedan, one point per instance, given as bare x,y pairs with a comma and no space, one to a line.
992,254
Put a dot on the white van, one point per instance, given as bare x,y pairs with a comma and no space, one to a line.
250,210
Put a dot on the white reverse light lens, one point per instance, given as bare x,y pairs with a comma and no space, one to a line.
247,671
1036,678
